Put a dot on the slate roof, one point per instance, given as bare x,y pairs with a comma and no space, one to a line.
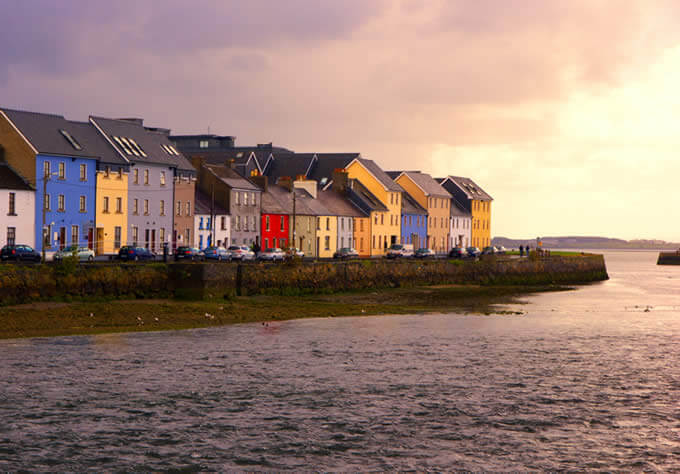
278,200
458,210
469,187
425,182
150,141
380,175
43,132
411,206
292,165
339,205
10,179
231,178
366,199
326,163
203,202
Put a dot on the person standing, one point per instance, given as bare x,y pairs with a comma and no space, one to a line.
521,251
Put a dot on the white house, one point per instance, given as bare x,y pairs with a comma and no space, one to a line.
17,209
460,226
204,226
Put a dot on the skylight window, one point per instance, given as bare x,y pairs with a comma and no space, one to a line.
323,181
71,140
122,145
174,151
166,149
139,148
125,140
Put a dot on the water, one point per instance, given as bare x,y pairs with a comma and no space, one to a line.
582,380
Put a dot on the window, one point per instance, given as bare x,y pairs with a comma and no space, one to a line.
146,176
361,225
254,223
328,223
119,205
83,172
83,207
238,198
245,198
46,169
62,170
266,243
136,175
391,198
61,203
129,146
376,219
223,223
107,171
137,147
282,223
46,202
203,144
162,207
200,223
245,222
318,223
238,222
187,235
12,201
342,224
135,235
162,234
135,207
123,145
253,199
178,208
188,209
11,235
382,219
327,242
71,140
116,237
106,204
146,207
374,241
208,224
266,222
75,234
120,173
162,178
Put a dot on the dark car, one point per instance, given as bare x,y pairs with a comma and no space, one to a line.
216,253
458,252
489,250
130,253
424,252
189,253
473,252
345,253
19,253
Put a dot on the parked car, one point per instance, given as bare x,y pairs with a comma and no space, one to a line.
399,250
271,254
188,253
19,252
346,253
490,250
128,252
424,252
84,254
216,253
294,252
501,250
473,252
241,252
458,252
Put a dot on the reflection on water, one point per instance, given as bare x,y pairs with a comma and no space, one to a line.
584,379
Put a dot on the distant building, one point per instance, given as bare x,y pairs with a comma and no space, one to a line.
475,201
17,208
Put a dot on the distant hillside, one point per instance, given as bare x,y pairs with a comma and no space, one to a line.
587,243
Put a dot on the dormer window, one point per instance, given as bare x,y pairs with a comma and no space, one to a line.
71,140
203,144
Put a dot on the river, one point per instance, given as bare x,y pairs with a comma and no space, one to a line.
587,379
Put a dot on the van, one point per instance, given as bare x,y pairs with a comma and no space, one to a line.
400,250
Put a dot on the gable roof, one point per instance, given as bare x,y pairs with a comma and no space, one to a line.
380,175
44,133
411,206
458,210
339,204
231,178
323,167
152,142
10,179
469,187
291,165
425,182
203,203
364,199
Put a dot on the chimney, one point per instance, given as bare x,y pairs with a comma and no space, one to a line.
231,164
340,179
286,182
260,181
308,185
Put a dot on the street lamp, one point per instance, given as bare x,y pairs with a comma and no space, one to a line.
45,235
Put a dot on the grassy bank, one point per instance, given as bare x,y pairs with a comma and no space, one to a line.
53,319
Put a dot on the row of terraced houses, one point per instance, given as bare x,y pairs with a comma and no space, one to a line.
105,183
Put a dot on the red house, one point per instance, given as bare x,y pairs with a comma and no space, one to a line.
275,216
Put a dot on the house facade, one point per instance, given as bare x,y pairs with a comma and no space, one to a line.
17,208
413,222
212,223
460,234
476,202
436,200
183,232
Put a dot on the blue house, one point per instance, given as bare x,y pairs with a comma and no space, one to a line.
59,159
413,222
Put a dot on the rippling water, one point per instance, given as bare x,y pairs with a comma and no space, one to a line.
588,379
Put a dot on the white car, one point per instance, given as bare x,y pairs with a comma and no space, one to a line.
294,252
271,254
399,250
84,254
241,252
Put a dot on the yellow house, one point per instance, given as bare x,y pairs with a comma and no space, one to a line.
435,199
477,202
326,236
385,225
111,210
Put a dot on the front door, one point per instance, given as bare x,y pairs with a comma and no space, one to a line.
99,247
153,240
62,237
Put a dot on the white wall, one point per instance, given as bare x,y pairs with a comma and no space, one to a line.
460,226
220,235
24,221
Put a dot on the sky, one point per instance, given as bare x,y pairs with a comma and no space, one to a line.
565,111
